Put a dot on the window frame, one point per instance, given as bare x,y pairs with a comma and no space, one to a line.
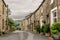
52,16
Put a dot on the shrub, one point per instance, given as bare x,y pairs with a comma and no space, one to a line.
42,29
37,28
55,28
54,31
46,28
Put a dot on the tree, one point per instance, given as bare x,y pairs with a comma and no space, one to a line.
11,23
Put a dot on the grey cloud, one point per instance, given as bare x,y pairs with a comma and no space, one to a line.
16,17
21,8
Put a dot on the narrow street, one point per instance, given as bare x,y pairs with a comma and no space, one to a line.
20,35
25,19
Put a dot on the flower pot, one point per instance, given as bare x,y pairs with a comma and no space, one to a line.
47,34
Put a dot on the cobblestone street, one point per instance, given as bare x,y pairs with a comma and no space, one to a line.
20,35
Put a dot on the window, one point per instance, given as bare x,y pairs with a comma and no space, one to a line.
38,22
54,13
3,24
55,19
47,15
3,9
0,15
54,16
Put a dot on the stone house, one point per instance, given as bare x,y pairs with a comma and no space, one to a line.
3,16
48,11
45,12
55,11
42,13
22,24
28,19
32,21
26,23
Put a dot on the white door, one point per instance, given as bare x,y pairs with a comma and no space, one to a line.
41,23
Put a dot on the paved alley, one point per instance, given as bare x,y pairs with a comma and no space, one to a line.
20,35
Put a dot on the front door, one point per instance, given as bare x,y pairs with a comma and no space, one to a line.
41,23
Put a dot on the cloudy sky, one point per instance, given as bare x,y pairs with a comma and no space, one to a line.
21,8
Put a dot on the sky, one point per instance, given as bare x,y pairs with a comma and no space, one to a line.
21,8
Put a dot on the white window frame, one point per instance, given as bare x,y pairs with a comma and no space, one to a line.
51,16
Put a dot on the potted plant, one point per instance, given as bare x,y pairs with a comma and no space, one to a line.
42,30
55,31
37,28
46,30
